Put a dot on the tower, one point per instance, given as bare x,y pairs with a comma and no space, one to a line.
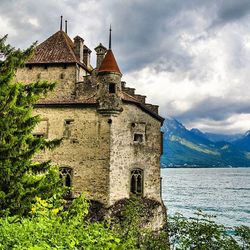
109,88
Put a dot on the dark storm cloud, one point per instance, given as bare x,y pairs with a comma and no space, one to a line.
148,32
217,109
231,10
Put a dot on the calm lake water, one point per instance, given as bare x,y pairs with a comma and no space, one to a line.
224,192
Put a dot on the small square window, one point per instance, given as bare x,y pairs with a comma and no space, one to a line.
112,88
138,138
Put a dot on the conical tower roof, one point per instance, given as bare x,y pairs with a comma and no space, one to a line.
109,64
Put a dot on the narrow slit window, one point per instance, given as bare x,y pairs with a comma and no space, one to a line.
136,182
112,88
138,137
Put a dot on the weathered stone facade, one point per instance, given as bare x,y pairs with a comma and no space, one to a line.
112,138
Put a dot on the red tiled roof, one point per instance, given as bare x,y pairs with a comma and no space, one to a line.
109,64
58,48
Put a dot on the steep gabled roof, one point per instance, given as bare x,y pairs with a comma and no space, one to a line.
109,64
58,48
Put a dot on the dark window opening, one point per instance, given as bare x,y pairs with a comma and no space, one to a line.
30,67
112,88
45,66
61,76
65,66
41,135
68,122
136,182
38,75
67,128
138,138
66,176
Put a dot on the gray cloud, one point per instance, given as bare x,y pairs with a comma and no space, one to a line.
231,10
216,109
199,42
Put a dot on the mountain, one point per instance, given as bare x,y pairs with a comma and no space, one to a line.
183,147
222,137
243,143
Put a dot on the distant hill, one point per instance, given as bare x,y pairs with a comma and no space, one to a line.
218,137
183,147
243,143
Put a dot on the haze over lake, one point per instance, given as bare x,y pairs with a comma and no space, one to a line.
224,192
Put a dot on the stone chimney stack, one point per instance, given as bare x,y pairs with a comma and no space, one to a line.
86,55
78,47
100,54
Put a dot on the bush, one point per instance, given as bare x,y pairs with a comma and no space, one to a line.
49,227
201,232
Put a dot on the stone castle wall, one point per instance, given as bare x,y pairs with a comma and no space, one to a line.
127,154
64,75
85,147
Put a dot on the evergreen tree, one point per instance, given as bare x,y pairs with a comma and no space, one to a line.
21,179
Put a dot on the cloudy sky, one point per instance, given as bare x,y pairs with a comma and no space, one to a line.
192,57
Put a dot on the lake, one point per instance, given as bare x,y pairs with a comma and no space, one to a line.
224,192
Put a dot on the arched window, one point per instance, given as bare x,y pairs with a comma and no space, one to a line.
136,182
66,176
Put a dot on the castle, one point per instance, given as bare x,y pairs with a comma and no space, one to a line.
111,137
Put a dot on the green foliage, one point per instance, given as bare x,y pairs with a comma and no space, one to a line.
243,232
49,227
21,179
201,232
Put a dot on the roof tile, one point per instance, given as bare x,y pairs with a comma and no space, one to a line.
109,64
58,48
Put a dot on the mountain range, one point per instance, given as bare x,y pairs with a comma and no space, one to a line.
184,147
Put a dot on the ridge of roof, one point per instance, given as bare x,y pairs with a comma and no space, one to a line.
109,64
58,48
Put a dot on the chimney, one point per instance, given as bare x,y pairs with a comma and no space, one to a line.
100,54
86,55
78,47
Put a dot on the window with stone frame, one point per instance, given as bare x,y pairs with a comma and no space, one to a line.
138,130
66,175
136,182
67,128
138,137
